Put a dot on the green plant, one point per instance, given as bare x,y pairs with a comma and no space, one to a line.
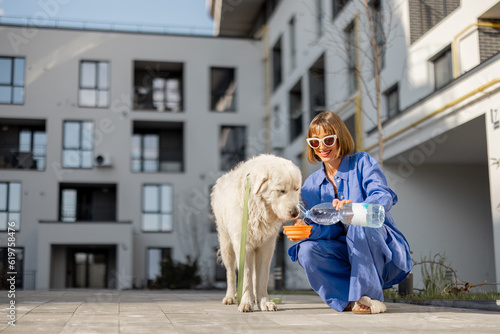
177,275
435,274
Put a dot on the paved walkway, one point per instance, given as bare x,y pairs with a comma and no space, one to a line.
84,311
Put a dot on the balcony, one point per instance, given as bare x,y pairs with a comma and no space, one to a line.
22,144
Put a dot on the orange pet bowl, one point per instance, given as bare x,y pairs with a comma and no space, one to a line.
297,232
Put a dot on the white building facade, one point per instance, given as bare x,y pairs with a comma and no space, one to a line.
439,105
110,143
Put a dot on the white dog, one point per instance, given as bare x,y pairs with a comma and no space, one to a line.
275,191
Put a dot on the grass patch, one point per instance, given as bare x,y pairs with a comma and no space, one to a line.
293,292
388,294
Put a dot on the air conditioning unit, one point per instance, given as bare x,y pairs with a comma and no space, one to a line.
103,160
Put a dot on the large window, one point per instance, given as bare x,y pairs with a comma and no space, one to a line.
277,64
293,43
10,205
232,146
317,87
223,89
337,6
443,71
157,208
156,258
320,18
89,203
94,84
23,144
12,80
157,147
158,86
295,112
351,59
78,144
377,20
392,102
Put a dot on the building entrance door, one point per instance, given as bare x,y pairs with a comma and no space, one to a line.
88,268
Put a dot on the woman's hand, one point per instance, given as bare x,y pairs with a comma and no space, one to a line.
337,204
298,222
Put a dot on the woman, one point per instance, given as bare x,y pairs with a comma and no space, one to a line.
348,266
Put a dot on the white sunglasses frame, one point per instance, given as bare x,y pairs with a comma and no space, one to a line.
322,140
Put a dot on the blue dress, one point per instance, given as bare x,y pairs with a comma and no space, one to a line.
342,267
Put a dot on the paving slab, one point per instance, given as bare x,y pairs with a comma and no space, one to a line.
172,311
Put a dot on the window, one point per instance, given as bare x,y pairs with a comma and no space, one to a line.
351,59
376,17
337,6
293,44
443,71
295,112
157,208
317,89
94,84
10,204
223,89
156,258
78,144
425,14
232,146
392,102
7,266
12,80
158,86
22,144
89,203
157,147
277,61
320,18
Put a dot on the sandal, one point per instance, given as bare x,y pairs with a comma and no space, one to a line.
349,307
370,306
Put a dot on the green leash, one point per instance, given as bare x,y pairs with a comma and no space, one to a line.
243,242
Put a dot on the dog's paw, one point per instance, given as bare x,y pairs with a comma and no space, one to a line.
229,300
268,306
245,307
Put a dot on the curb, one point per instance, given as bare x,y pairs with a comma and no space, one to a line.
483,305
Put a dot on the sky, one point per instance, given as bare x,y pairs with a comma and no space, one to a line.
175,13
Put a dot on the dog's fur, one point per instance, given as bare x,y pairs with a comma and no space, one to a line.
275,191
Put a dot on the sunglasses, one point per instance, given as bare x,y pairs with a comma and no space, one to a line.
328,141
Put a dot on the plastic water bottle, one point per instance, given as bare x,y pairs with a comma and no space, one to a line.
359,214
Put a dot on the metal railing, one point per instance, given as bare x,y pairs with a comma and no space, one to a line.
46,22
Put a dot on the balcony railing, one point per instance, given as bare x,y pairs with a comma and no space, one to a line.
13,158
88,213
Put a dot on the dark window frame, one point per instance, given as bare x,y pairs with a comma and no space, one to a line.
444,55
95,87
160,212
12,85
8,211
223,91
81,149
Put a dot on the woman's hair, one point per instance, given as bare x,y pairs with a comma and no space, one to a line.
332,124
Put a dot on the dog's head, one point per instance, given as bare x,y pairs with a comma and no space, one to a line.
277,183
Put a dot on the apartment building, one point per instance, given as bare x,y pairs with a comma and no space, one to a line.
439,108
109,145
110,141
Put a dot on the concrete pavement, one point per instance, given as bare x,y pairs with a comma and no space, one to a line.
143,311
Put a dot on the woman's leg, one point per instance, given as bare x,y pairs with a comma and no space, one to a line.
327,267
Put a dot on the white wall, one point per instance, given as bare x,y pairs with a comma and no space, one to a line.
445,209
52,74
